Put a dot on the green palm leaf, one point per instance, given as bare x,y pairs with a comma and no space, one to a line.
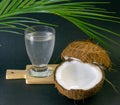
75,12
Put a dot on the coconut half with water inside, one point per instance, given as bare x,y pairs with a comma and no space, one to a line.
81,74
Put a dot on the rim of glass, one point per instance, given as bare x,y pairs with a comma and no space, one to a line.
42,26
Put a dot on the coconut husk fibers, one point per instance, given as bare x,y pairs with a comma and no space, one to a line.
88,52
79,94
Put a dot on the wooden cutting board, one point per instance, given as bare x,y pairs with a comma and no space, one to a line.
23,74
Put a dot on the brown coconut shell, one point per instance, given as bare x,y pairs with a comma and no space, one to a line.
79,94
88,52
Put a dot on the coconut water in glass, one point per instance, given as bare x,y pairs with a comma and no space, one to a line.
39,41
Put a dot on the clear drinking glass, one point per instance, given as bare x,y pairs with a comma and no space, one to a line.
39,41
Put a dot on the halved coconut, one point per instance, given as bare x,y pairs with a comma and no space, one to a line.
77,80
88,52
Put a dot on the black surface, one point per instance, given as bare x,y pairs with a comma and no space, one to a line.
13,55
16,92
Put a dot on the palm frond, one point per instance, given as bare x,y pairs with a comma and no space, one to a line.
49,2
11,4
21,18
97,18
3,5
87,28
100,28
16,5
14,32
75,12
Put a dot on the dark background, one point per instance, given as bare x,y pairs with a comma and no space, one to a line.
13,55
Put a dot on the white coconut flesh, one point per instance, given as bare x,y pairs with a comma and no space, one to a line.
78,75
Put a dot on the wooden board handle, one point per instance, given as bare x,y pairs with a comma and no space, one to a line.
15,74
23,74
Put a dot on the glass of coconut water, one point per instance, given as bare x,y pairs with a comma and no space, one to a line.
39,41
